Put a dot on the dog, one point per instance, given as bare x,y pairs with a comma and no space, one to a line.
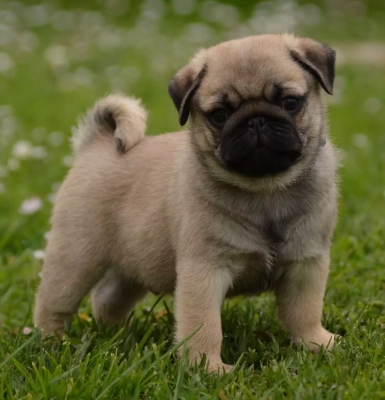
242,202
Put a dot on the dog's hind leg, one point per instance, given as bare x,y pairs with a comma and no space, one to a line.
72,267
114,297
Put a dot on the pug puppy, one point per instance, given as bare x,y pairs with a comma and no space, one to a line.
242,202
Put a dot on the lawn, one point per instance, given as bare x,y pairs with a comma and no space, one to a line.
56,59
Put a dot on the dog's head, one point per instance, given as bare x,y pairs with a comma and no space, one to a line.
255,106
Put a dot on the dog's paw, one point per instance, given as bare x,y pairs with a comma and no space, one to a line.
219,367
51,324
212,365
316,339
50,331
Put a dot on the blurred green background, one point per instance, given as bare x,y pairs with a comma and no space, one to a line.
58,57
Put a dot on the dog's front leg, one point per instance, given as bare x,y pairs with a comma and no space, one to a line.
299,293
201,288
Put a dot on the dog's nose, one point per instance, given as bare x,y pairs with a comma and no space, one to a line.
256,122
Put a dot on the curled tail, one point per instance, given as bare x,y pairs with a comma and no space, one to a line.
118,116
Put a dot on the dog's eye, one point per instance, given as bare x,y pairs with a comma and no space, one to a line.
291,104
219,117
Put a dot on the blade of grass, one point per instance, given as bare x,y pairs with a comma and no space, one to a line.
19,349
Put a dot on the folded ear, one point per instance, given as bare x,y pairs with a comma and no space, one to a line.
317,58
183,87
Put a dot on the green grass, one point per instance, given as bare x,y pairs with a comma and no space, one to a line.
139,361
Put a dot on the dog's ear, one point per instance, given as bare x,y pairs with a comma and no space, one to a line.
183,87
317,58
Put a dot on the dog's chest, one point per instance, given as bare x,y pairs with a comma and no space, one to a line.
261,235
253,259
257,247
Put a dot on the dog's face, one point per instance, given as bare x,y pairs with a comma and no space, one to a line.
255,106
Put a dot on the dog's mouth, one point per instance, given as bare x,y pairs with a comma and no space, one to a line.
261,146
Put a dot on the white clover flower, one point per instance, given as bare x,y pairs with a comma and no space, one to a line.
6,63
52,197
372,105
361,141
57,57
39,254
22,149
110,40
56,138
8,17
118,7
39,153
37,15
27,330
153,9
3,171
27,41
183,7
199,33
8,125
68,160
6,35
31,206
223,14
91,21
63,20
13,164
